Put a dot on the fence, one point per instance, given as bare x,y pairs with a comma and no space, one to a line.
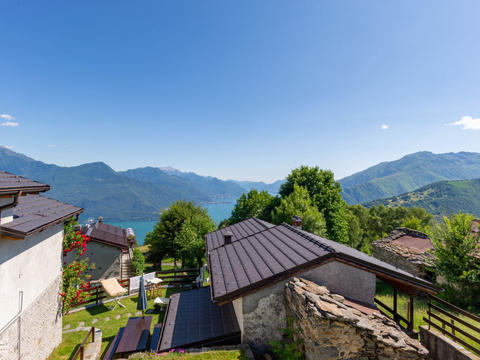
393,313
445,318
181,277
81,350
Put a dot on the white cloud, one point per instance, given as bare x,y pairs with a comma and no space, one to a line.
468,123
385,127
10,123
6,117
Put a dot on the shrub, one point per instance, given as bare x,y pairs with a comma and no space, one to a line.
288,347
138,262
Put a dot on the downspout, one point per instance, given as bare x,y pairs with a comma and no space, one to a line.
20,294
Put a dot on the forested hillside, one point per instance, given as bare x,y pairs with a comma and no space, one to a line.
441,199
407,174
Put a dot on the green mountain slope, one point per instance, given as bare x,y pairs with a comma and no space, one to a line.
407,174
211,186
100,190
441,198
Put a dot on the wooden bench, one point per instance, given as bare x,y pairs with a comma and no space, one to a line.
113,346
157,329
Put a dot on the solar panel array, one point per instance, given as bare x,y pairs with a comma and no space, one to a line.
194,320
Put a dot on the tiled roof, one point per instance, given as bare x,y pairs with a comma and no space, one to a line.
408,238
239,230
193,320
107,234
34,212
279,252
11,184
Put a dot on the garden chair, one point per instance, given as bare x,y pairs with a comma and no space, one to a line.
113,289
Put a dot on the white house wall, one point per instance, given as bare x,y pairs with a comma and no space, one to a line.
32,265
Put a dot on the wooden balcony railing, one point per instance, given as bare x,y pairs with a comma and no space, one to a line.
445,318
81,350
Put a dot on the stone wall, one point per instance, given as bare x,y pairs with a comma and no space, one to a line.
409,259
40,326
263,315
442,348
332,328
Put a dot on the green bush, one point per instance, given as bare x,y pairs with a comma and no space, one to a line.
288,347
138,262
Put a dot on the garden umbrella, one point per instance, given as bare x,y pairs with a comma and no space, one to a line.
142,302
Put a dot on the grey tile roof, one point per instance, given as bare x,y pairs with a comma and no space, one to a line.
279,252
193,320
11,184
34,212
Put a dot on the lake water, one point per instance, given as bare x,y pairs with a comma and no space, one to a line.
218,212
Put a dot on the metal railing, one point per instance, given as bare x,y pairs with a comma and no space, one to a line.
81,350
445,318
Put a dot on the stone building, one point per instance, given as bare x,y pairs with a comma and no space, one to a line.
407,249
250,264
31,237
110,249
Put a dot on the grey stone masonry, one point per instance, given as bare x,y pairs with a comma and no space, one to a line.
40,327
331,328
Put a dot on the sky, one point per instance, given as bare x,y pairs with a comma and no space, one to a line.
238,89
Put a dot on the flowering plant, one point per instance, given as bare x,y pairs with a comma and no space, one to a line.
74,240
75,284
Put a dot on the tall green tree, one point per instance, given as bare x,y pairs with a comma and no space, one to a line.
298,203
325,193
455,244
165,239
253,204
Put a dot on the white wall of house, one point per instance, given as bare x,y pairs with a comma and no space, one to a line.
345,280
34,266
28,265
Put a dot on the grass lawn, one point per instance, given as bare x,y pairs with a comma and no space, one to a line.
209,355
385,295
109,328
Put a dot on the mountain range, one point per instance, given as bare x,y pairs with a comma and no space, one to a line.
139,194
407,174
441,198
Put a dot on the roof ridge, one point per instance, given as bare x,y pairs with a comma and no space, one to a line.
305,235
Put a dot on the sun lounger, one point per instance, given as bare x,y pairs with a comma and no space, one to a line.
113,289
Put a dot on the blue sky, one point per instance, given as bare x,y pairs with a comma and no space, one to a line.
238,89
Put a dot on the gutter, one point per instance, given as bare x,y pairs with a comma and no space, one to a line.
14,203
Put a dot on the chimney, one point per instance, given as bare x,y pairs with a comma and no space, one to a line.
227,237
100,219
297,222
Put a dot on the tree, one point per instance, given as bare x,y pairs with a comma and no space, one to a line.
455,244
253,204
325,193
191,246
299,203
138,262
163,239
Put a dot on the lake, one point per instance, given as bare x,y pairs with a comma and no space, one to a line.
218,212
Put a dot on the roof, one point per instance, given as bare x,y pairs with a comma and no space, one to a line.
239,230
34,213
107,234
281,251
193,320
12,184
408,238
